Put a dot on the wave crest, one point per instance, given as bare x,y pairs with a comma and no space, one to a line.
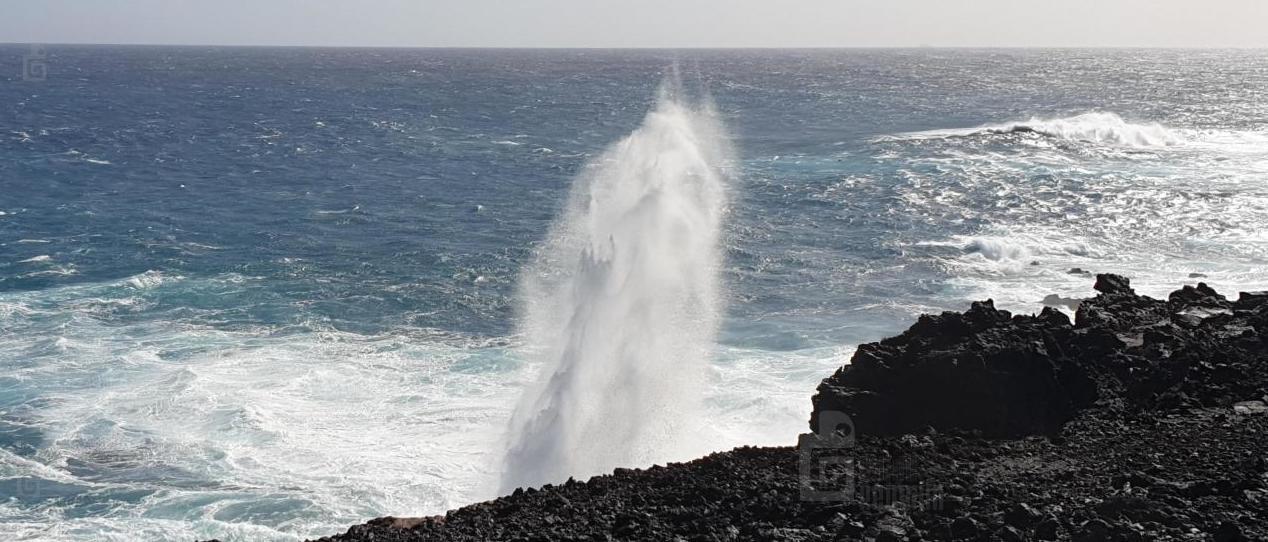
1100,127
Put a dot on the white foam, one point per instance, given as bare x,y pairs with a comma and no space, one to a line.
354,208
351,426
1098,127
1020,264
58,271
146,280
9,309
762,398
997,249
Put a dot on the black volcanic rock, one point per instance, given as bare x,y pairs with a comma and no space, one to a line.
1133,478
1251,300
1113,285
1006,378
1199,295
1009,376
974,426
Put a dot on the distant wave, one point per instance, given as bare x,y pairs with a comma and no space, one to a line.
997,249
1103,128
146,280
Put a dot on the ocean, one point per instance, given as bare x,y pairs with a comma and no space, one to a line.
267,293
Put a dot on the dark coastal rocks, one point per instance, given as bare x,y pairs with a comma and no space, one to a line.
1140,420
1188,475
1200,295
1113,285
1005,379
1022,516
1251,300
1001,375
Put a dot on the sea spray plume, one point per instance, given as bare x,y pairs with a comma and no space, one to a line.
621,304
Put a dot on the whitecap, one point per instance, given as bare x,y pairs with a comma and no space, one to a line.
146,280
54,272
338,211
8,309
191,244
1098,127
998,249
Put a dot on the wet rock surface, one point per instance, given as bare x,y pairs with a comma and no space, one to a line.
1138,420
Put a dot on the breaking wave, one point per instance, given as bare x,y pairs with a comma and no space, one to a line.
1100,127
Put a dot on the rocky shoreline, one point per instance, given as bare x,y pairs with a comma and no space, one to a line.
1141,419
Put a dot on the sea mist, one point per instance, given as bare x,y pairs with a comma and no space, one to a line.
621,304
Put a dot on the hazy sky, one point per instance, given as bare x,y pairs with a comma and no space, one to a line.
641,23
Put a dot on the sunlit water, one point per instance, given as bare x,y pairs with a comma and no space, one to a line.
265,294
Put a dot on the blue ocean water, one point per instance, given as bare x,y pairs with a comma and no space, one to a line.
268,293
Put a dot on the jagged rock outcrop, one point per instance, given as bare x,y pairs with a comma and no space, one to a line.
1001,375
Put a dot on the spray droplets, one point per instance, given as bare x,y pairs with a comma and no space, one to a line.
621,305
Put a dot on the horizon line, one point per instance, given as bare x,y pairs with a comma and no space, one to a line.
646,48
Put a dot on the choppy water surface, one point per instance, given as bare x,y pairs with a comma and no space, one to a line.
266,293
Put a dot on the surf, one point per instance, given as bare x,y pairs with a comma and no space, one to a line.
1095,127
